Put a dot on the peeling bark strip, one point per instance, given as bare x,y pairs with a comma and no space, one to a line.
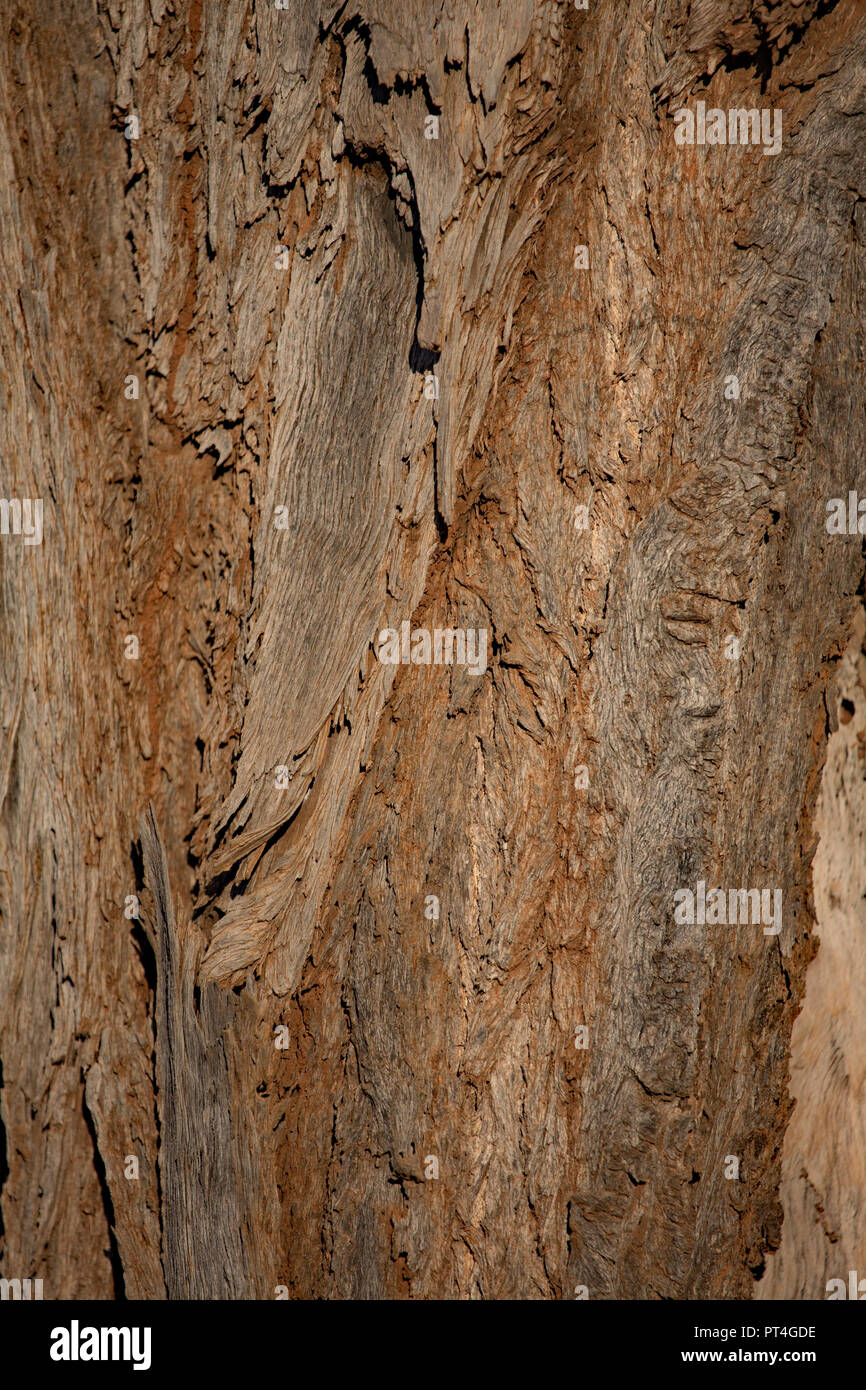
330,333
206,1186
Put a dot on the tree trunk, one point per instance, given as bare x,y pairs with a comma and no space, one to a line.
333,976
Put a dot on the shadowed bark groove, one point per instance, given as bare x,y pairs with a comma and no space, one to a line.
319,321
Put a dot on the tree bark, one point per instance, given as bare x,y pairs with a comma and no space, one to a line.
325,977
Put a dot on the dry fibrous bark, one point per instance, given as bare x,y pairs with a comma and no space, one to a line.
324,976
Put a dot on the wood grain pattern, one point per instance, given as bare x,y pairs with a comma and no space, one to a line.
285,258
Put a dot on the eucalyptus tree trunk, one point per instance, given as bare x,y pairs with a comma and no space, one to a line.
422,587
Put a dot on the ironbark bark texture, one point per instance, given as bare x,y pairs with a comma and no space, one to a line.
319,320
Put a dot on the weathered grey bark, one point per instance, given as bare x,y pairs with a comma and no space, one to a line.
280,254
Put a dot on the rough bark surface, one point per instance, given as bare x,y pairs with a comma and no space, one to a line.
244,208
